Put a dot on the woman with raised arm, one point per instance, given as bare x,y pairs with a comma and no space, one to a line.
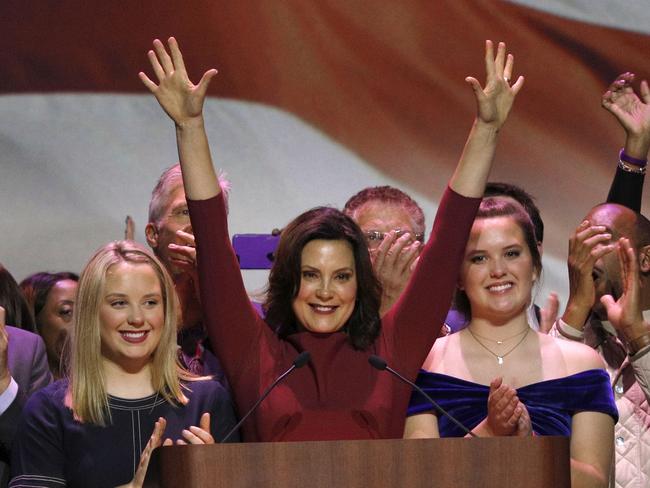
498,376
322,296
98,427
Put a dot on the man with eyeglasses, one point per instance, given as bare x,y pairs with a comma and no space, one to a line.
169,234
393,224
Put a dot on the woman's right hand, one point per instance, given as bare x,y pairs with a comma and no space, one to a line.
154,441
177,95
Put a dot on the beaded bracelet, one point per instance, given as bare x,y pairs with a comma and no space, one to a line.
639,343
630,164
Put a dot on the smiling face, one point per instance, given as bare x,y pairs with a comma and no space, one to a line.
160,234
328,286
131,315
54,321
498,272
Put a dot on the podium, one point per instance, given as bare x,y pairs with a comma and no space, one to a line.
499,462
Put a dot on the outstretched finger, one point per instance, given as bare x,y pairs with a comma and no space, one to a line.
176,55
608,302
507,71
156,66
151,86
489,58
476,86
163,57
202,87
204,422
500,60
186,237
518,85
645,91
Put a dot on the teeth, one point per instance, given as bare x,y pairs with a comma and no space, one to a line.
323,308
498,288
133,335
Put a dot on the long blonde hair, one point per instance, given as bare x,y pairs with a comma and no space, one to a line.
87,391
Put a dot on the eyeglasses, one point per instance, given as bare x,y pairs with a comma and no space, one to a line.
181,215
375,237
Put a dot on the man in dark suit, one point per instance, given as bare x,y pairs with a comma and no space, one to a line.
23,370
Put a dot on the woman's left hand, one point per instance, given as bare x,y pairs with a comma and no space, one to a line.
198,435
495,100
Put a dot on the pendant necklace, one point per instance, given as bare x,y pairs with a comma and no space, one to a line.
499,356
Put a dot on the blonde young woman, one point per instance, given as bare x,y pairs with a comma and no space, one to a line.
125,390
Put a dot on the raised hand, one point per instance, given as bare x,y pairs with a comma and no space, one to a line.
394,261
495,100
586,246
198,435
177,95
632,112
625,313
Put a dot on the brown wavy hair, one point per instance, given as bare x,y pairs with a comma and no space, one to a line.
327,223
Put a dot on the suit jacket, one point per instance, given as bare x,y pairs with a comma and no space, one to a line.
27,362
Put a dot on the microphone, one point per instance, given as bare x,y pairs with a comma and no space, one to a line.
381,364
301,359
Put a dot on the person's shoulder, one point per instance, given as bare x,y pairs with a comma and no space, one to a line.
205,388
577,356
437,352
24,336
49,397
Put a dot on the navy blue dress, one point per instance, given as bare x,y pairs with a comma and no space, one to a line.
550,404
54,450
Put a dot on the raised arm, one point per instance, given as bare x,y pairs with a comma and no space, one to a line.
224,301
183,102
493,104
422,308
633,113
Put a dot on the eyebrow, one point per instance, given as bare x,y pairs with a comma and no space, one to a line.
509,246
312,268
122,295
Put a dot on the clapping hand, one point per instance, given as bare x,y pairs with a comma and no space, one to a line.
154,441
504,409
198,435
588,244
625,313
394,261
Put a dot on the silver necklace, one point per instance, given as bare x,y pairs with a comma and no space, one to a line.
499,356
502,341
